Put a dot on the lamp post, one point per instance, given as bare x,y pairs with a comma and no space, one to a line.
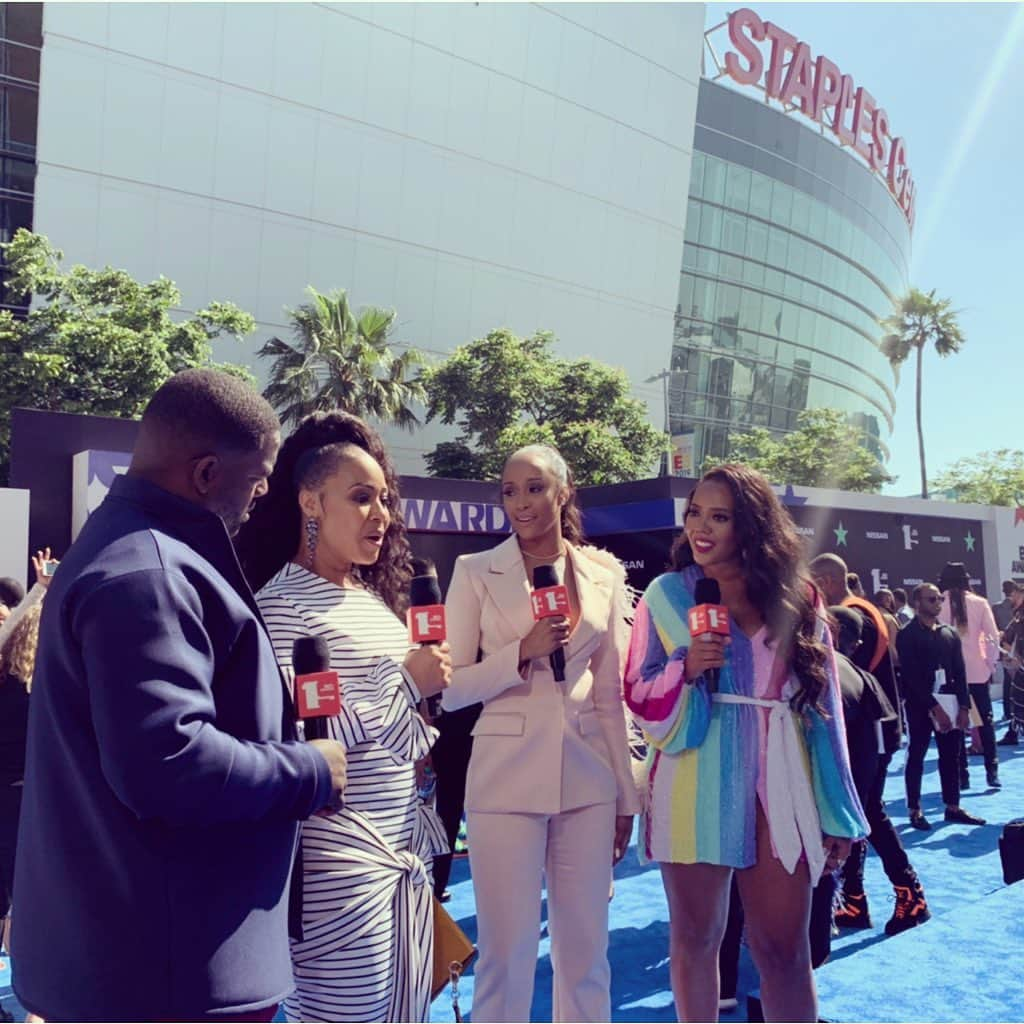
664,378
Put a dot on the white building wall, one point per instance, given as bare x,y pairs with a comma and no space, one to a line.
471,165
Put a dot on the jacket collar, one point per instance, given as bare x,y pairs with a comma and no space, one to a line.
187,521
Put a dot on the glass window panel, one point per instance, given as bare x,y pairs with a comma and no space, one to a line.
773,280
734,232
737,187
753,273
760,195
778,246
693,215
750,310
708,260
782,203
686,294
728,305
690,255
697,174
730,268
773,317
757,240
714,180
801,212
711,227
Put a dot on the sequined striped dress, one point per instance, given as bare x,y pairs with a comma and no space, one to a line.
713,756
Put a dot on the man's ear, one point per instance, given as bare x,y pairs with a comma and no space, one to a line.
205,473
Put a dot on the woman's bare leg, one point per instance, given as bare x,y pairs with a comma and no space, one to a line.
698,901
778,909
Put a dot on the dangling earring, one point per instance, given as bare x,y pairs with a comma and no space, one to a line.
312,536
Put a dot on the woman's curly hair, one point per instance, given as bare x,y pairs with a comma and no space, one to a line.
777,582
18,654
309,456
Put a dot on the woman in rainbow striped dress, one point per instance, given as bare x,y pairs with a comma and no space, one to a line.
748,770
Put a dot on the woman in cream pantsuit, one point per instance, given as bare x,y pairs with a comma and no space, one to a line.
550,793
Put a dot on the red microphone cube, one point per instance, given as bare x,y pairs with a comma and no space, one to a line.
317,695
549,601
709,618
427,624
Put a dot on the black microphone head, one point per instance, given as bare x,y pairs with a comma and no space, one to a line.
424,588
310,654
707,591
545,576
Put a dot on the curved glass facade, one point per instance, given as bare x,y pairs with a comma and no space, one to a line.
793,252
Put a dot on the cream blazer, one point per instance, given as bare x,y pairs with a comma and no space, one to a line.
540,746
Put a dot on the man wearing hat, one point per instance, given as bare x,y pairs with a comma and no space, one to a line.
971,616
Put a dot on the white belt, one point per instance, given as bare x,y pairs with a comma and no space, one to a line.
792,813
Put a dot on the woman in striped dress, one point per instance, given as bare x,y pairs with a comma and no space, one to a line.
328,550
748,767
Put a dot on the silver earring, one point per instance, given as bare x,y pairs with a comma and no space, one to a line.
312,536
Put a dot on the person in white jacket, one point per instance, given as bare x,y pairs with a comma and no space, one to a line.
972,618
550,792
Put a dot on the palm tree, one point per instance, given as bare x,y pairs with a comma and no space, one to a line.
917,322
342,361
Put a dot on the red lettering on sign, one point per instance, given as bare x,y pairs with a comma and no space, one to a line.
745,21
798,88
782,43
796,78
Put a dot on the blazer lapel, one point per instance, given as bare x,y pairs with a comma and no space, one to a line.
594,588
506,582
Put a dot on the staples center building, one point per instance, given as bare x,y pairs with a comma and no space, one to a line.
798,229
477,166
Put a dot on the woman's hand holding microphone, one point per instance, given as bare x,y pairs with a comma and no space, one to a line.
707,652
544,639
430,667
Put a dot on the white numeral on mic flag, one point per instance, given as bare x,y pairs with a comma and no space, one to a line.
713,618
310,690
423,622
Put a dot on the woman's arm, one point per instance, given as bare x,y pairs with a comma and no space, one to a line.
379,707
606,666
673,715
474,681
839,807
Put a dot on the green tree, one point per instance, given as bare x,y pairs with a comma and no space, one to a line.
339,360
917,322
989,478
503,391
824,451
96,341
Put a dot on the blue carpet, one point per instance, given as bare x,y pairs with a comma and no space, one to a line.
965,963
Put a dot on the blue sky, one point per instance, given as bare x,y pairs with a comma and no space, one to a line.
951,77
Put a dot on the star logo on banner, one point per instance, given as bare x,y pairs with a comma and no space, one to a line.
969,540
840,533
789,497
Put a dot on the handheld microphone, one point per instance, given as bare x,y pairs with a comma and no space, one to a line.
550,598
708,615
426,618
317,690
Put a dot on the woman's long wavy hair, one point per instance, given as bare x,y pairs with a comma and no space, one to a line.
18,654
571,519
309,456
776,580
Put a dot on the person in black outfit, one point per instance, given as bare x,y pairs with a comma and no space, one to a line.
932,662
450,757
873,656
1012,643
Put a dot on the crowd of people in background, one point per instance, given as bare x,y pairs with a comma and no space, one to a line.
146,713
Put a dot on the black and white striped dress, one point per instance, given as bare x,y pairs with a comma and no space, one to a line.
367,913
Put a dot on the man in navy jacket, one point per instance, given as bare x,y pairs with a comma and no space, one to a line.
164,782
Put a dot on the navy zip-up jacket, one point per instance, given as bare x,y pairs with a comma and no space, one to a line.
163,781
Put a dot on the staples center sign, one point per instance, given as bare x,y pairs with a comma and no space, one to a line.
819,90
